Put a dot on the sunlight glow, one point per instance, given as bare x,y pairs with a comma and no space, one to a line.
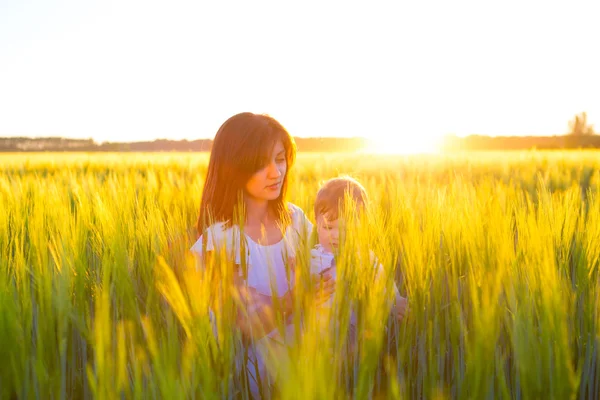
131,70
405,145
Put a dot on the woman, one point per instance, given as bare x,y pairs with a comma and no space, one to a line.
244,211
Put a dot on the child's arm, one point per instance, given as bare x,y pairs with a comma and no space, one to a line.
400,308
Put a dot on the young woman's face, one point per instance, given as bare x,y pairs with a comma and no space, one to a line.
266,183
328,232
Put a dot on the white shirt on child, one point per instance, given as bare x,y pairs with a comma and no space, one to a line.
322,260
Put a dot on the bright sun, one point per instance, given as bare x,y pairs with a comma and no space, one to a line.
402,145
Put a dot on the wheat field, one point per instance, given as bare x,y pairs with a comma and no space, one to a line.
498,254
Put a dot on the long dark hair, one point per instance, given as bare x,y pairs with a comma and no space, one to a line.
242,146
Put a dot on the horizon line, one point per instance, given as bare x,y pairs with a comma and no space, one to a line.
449,135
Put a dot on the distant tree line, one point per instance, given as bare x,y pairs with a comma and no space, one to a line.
581,135
23,144
473,142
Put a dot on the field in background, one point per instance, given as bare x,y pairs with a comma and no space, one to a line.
497,252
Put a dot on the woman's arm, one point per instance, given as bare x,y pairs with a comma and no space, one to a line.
256,313
257,316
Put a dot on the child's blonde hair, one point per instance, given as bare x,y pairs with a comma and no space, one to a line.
331,196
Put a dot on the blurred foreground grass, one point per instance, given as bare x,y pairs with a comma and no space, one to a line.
498,254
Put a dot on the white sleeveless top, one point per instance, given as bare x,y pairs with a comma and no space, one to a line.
268,269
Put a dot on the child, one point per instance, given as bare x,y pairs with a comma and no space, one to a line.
327,212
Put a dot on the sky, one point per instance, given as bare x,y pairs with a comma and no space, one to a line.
398,71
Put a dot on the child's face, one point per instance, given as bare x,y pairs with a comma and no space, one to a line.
328,232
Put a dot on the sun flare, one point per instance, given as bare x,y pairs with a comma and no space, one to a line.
402,145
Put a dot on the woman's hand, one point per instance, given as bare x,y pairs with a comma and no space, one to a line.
258,315
260,311
254,299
